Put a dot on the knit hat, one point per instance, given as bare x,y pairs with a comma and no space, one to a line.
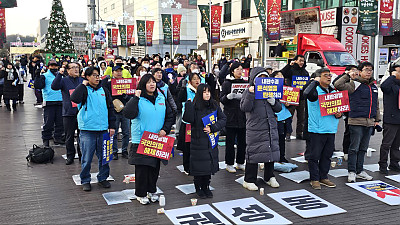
181,68
234,65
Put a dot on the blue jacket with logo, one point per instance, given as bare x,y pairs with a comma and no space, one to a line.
67,85
44,82
96,111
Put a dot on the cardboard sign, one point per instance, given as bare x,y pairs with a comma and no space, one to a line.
200,214
153,145
239,88
123,86
379,190
31,84
188,133
306,204
74,105
107,148
291,95
299,81
269,87
337,102
208,120
249,211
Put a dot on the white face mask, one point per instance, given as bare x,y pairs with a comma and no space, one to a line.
142,73
146,66
195,71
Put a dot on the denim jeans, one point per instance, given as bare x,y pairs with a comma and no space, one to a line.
92,142
125,126
359,141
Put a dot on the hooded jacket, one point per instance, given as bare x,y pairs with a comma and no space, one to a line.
235,117
10,91
262,137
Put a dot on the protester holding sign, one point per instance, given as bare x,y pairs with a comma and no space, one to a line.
95,117
363,117
119,101
262,137
203,153
149,111
236,119
67,85
297,68
321,130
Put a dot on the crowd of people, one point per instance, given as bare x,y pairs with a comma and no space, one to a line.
76,97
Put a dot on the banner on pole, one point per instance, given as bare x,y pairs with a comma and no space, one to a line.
8,4
177,28
386,18
167,28
123,86
149,33
122,34
130,35
107,148
268,87
291,95
273,20
216,23
205,18
141,27
109,38
153,145
368,18
114,38
337,102
261,11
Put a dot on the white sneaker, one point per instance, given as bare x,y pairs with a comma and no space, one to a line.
143,200
250,186
261,166
230,169
346,157
273,183
152,197
240,167
352,177
364,175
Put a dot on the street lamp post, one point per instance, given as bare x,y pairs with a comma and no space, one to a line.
210,40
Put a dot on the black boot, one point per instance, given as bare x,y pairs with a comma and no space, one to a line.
14,107
8,107
46,143
206,189
199,191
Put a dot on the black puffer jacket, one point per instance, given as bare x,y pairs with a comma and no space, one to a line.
391,112
235,117
203,159
9,90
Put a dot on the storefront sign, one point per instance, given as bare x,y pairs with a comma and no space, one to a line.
153,145
28,44
386,18
333,103
364,48
177,29
268,87
123,86
350,16
328,17
242,30
273,19
368,18
207,121
349,39
291,95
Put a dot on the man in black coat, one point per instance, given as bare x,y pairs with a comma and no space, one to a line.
297,68
222,61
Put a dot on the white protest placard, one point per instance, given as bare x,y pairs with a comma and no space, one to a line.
372,167
200,214
379,190
113,198
239,88
249,211
339,173
394,178
306,204
300,159
93,177
297,177
189,188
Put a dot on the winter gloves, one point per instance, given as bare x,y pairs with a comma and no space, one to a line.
231,96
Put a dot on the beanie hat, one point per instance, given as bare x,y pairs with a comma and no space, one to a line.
181,68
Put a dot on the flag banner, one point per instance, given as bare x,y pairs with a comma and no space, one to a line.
122,34
123,86
141,27
8,4
130,35
3,35
261,11
167,28
239,88
205,18
208,120
114,38
177,29
92,41
109,38
291,95
268,87
153,145
386,18
273,19
216,23
149,33
299,81
333,103
107,148
368,17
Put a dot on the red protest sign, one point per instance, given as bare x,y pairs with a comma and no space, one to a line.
337,102
291,95
153,145
123,86
74,105
188,133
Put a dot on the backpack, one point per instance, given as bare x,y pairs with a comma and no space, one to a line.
40,154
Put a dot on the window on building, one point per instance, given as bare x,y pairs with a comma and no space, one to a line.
105,10
246,9
349,3
333,4
227,11
192,2
284,5
323,4
112,6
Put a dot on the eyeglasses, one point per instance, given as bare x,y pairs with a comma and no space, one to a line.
95,75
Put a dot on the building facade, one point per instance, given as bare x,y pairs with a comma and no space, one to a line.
42,31
78,33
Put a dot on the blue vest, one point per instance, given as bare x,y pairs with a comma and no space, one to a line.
93,115
165,90
317,123
283,114
363,101
190,94
150,118
50,95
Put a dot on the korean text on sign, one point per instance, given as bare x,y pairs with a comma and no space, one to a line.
153,145
239,88
291,95
208,120
123,86
299,81
332,103
269,87
107,148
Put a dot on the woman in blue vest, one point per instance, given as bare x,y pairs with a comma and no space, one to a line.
95,117
203,155
149,111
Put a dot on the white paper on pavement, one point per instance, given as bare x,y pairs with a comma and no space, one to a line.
297,177
379,190
337,154
77,179
241,179
372,167
394,177
189,188
113,198
300,159
339,173
75,157
200,214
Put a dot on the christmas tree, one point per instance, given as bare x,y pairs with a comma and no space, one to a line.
58,37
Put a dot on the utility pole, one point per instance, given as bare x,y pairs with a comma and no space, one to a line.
92,8
210,40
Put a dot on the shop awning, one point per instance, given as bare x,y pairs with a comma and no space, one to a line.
203,47
228,44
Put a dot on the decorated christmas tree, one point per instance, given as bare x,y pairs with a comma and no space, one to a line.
58,38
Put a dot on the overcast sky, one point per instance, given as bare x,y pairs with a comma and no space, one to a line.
24,19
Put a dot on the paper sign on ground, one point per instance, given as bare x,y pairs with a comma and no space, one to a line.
394,178
332,103
337,154
241,179
130,193
93,177
153,145
113,198
379,190
297,177
372,167
268,87
189,188
200,214
239,88
123,86
75,157
339,173
305,204
249,211
222,166
299,159
291,95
